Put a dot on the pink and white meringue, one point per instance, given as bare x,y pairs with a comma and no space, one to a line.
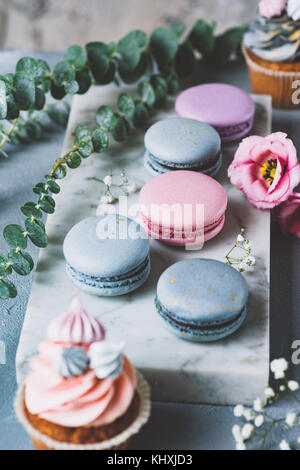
271,8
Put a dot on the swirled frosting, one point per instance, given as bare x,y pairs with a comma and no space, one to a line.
63,388
275,40
76,326
271,8
106,358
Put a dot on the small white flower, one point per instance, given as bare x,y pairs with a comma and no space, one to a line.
238,411
236,432
282,388
258,405
259,421
106,199
284,445
242,266
240,446
250,260
291,419
247,431
240,238
293,385
131,188
269,392
249,415
107,180
278,367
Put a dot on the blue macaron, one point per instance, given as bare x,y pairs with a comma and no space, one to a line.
182,144
202,299
107,255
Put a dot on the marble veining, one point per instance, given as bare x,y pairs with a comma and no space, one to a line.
226,372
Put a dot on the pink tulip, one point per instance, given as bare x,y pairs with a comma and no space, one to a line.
288,215
266,169
271,8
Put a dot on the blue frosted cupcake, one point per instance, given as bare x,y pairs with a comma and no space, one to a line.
107,255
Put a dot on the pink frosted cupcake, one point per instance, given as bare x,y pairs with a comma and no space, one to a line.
82,392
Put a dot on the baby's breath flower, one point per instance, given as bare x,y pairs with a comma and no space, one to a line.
258,405
269,392
241,446
278,367
240,238
238,411
293,385
250,260
249,415
247,431
284,445
259,421
237,433
107,180
291,419
247,244
131,188
282,388
106,199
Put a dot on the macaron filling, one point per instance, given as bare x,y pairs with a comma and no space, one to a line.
201,327
131,277
170,166
234,130
172,233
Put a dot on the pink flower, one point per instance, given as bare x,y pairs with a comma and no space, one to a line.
266,169
288,215
271,8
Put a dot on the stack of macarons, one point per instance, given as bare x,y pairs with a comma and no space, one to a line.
182,144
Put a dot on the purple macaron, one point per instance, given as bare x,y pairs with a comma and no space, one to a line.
229,109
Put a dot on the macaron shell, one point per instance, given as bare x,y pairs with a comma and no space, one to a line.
182,189
115,252
202,292
219,105
180,141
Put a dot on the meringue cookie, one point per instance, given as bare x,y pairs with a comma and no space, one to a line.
106,359
72,362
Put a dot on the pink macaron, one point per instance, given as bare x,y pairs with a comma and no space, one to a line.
183,207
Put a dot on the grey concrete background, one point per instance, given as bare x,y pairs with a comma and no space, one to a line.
172,426
56,24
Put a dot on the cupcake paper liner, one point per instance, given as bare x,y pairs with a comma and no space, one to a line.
119,442
277,83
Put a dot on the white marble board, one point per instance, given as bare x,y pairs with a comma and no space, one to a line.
230,371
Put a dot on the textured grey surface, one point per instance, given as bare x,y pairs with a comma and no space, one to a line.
56,24
171,426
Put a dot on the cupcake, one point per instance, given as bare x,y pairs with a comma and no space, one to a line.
82,392
272,51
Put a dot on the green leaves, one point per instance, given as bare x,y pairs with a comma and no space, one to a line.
74,160
76,56
3,103
120,130
100,140
126,105
24,87
64,75
7,290
60,172
129,51
30,210
46,203
36,232
21,262
164,45
227,44
5,267
147,93
202,37
98,56
14,236
106,118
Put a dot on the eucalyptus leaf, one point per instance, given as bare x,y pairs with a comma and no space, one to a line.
202,37
40,188
57,115
63,73
30,210
24,90
27,65
100,140
178,29
227,44
140,37
82,132
3,102
74,160
72,87
12,107
36,232
5,268
33,129
98,58
172,82
164,44
108,77
141,115
147,93
85,149
7,289
77,56
130,54
84,80
21,262
14,236
106,118
47,204
138,72
161,89
58,92
185,60
126,105
42,71
54,187
121,130
40,98
60,172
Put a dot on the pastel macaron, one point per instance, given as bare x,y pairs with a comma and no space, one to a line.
227,108
202,300
107,255
182,144
183,207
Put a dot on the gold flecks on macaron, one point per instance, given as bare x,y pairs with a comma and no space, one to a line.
173,281
175,302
